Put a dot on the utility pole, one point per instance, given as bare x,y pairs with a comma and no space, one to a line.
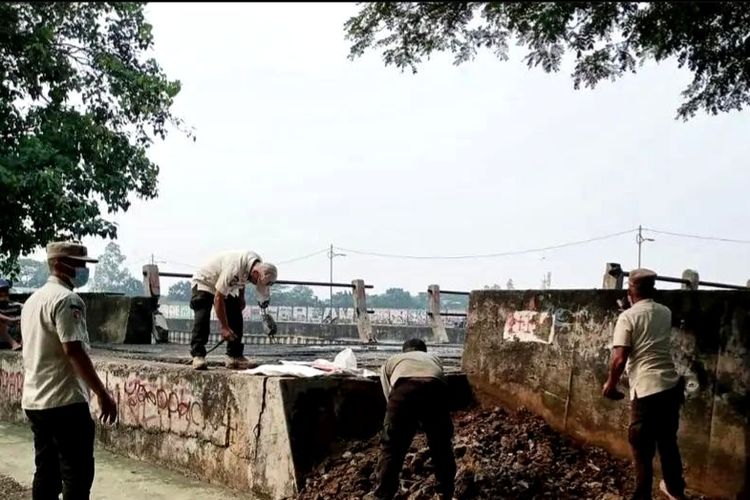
331,255
640,240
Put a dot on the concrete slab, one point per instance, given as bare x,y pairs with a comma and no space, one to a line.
367,357
117,478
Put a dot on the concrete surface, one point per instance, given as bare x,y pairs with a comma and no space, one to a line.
367,356
549,351
252,433
117,478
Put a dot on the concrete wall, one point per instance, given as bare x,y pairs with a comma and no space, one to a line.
115,318
382,332
251,433
549,351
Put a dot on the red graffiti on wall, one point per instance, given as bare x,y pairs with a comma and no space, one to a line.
11,384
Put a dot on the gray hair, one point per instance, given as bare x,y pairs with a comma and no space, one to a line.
268,272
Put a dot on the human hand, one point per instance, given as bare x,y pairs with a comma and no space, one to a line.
228,334
107,408
609,391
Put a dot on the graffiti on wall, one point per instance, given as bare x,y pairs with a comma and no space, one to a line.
162,406
11,385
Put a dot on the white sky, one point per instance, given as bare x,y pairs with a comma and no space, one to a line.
298,147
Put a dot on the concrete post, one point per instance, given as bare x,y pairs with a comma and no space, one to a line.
364,326
439,335
692,276
151,280
613,277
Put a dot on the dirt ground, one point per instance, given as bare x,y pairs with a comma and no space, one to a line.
11,490
499,455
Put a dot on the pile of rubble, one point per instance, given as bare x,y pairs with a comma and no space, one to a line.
499,454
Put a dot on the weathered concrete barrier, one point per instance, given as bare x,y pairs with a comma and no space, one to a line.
115,318
549,351
251,433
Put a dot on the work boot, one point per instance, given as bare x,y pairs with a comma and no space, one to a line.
199,363
238,363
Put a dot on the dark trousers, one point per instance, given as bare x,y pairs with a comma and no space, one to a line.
64,452
201,303
414,403
654,421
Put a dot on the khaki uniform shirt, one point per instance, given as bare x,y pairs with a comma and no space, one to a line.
409,364
226,273
51,316
646,328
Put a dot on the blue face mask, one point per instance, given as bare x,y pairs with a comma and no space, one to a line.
81,277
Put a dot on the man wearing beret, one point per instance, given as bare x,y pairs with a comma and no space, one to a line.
57,373
220,284
642,341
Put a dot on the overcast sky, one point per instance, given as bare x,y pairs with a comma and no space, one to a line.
298,147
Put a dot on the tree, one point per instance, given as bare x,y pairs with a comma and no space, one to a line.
32,273
180,291
607,39
111,276
510,285
80,103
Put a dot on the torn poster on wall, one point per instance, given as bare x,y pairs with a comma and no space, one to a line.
529,326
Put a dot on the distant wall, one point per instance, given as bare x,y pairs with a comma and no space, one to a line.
115,319
345,331
549,351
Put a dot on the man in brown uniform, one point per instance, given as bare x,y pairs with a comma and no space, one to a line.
417,395
642,340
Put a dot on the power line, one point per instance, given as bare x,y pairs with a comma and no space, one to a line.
303,257
697,236
490,255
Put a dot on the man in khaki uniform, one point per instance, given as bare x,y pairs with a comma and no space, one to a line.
642,340
220,284
417,396
57,371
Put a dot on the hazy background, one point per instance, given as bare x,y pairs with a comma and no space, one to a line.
298,147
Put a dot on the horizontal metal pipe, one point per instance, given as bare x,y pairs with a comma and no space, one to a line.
700,283
280,282
452,314
723,285
453,292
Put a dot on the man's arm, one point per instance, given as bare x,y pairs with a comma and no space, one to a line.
622,340
9,319
220,306
616,368
85,370
242,299
385,380
71,330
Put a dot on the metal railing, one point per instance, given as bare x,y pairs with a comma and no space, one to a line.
689,279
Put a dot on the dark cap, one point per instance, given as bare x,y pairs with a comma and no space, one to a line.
4,284
69,250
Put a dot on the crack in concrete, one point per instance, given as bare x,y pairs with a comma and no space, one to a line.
257,428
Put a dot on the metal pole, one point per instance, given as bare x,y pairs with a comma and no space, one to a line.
330,258
640,239
640,242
